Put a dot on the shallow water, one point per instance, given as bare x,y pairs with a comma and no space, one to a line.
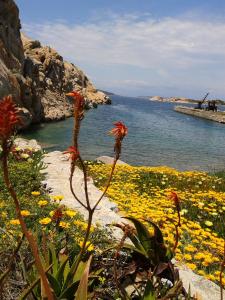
157,135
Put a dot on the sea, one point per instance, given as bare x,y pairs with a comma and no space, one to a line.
157,135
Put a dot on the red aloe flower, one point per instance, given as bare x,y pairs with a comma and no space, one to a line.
176,200
73,152
57,215
9,117
79,99
120,130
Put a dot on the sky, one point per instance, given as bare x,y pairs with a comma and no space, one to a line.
136,47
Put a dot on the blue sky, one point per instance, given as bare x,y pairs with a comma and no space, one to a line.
137,47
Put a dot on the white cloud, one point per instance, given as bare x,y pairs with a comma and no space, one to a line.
174,51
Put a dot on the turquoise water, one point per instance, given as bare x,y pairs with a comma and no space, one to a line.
157,135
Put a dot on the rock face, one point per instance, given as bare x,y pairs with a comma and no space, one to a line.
37,77
11,49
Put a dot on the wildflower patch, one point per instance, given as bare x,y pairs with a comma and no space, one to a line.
143,192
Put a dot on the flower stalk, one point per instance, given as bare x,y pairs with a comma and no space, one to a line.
119,132
176,201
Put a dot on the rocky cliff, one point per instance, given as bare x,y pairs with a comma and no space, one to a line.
37,76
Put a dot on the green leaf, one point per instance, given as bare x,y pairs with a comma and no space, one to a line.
157,232
82,291
149,293
70,274
169,253
69,292
80,271
53,259
132,248
54,284
60,273
143,235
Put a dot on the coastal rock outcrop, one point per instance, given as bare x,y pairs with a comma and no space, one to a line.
37,76
172,99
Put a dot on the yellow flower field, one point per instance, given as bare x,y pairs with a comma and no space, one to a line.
142,192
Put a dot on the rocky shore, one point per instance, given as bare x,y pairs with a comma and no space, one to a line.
37,76
172,99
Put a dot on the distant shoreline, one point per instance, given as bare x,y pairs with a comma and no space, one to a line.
180,100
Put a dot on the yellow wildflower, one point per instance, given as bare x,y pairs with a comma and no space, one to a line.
208,223
89,246
45,221
14,222
191,266
58,197
25,213
70,213
35,193
42,203
187,257
64,224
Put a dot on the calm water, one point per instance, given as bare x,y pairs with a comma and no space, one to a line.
157,135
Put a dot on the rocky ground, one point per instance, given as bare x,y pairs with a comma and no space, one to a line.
37,76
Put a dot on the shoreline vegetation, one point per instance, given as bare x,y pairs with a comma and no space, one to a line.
143,192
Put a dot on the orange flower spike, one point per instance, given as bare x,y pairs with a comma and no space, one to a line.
57,215
176,200
120,130
79,99
9,117
73,152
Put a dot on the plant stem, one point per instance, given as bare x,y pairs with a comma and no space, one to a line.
71,185
85,182
26,232
87,233
108,183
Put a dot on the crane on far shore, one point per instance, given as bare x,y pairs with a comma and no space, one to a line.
199,105
211,104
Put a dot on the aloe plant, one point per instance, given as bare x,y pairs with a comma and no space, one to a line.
153,273
65,281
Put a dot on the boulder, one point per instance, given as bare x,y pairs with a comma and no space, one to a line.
24,143
109,160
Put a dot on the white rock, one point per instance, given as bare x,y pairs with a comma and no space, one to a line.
205,289
57,178
109,160
23,143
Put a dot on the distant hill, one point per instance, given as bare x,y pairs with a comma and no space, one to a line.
180,99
